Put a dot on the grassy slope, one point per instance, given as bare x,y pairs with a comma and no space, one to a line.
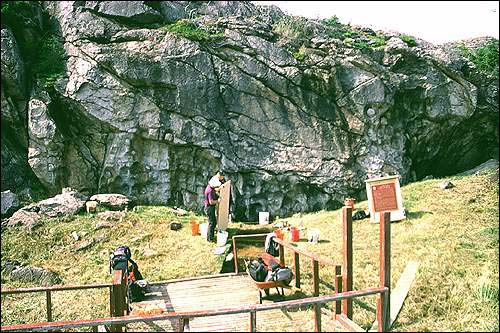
452,233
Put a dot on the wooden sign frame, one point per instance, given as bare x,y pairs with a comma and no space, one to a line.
384,195
223,209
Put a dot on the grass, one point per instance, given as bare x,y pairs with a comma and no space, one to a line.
452,233
190,30
485,57
410,41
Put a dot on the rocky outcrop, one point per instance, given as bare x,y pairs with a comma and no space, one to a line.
297,117
40,276
112,201
68,203
10,203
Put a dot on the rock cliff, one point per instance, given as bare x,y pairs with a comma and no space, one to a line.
155,97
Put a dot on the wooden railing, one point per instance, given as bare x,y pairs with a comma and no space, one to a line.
343,274
117,294
119,306
184,317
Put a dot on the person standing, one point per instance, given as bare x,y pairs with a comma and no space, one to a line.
211,200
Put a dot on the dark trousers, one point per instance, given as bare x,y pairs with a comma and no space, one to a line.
212,222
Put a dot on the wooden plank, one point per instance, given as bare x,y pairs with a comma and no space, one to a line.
399,293
223,210
348,324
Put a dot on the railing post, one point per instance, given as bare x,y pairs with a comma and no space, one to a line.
282,255
384,304
253,321
315,268
317,317
184,324
235,256
49,305
338,289
296,262
119,303
347,263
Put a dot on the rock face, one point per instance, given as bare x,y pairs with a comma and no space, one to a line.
10,203
297,123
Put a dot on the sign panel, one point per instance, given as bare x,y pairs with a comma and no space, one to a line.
384,195
223,210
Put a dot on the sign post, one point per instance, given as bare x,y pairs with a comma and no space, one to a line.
384,195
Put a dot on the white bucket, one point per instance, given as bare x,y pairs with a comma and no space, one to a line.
313,235
222,238
263,218
204,230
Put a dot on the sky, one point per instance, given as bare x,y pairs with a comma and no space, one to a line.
434,21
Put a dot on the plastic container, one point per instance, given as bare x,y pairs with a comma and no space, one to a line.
313,236
279,233
263,218
195,228
204,229
222,238
295,234
349,202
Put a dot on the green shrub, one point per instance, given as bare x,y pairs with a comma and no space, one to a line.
189,30
50,59
332,22
485,58
377,41
410,41
300,54
292,27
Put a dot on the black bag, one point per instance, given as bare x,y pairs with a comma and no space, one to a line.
359,215
273,248
284,274
135,291
119,259
257,270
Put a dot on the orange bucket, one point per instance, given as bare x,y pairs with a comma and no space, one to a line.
295,234
279,233
195,228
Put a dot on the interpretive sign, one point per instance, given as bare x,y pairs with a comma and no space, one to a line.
384,195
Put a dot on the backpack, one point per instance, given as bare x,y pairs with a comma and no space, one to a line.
136,286
257,270
136,291
359,215
119,259
284,274
273,248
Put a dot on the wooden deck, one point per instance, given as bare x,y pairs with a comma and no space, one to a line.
224,292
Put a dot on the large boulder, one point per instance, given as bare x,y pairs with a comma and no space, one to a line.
112,201
67,203
37,275
10,203
26,218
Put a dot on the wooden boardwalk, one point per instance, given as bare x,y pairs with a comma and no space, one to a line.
217,292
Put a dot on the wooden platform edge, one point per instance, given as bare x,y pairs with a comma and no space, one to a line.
398,295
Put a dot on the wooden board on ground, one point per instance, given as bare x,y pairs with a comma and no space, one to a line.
223,212
399,293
